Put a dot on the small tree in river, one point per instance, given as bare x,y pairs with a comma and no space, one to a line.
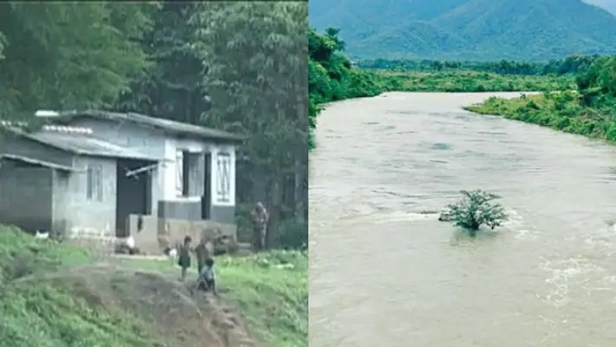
476,209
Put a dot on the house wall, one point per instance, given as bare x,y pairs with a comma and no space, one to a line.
151,142
26,196
156,234
166,202
74,212
178,207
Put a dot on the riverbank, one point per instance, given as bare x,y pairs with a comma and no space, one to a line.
562,111
58,295
467,81
589,108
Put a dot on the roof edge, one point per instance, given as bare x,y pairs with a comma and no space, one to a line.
225,136
37,162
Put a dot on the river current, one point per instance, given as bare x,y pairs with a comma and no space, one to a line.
382,274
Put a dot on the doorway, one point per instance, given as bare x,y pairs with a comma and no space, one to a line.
134,191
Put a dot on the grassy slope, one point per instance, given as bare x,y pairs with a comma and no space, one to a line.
273,299
37,313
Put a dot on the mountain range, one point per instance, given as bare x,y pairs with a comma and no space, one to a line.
533,30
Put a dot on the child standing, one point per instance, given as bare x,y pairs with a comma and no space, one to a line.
184,257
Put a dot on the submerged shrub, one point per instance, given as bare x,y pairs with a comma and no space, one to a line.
476,209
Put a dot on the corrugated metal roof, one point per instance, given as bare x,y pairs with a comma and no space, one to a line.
160,123
82,144
33,161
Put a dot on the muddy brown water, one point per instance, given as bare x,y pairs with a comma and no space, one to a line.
383,274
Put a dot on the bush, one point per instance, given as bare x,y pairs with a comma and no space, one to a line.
475,209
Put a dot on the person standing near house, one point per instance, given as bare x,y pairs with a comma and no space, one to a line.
260,217
184,257
203,253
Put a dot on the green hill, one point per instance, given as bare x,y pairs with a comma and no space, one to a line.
469,29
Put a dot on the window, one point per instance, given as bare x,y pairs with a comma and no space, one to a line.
189,173
223,167
179,172
95,182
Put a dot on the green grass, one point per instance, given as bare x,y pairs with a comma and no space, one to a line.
270,290
561,111
37,311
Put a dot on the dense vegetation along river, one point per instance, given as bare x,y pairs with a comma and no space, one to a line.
381,274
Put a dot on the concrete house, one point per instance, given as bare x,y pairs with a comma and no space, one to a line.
88,171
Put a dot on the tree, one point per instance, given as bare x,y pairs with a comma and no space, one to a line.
173,87
476,209
255,55
331,75
69,55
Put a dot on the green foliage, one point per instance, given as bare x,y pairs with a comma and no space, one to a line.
331,76
589,109
272,291
69,55
570,65
468,81
173,88
36,313
254,54
478,30
476,209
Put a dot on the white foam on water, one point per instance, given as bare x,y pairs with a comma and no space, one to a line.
603,239
405,217
563,274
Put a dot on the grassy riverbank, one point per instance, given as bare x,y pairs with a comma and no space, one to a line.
468,81
58,295
589,109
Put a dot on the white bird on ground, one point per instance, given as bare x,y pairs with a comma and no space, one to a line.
173,253
130,242
41,235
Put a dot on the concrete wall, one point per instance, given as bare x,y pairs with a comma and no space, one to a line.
148,141
157,144
72,208
179,207
158,233
223,214
26,196
184,210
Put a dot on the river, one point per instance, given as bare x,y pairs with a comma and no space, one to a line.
383,274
